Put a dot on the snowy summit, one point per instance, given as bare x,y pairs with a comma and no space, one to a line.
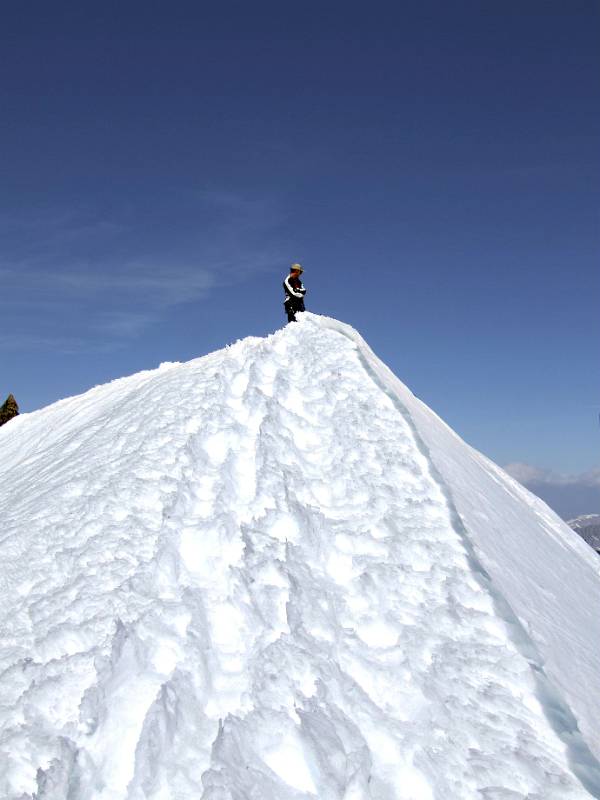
273,574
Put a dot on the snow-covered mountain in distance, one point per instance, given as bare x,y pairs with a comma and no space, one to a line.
588,527
272,573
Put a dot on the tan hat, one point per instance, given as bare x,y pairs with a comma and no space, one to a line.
296,267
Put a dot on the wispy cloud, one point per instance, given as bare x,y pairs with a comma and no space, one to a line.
527,473
569,495
102,305
61,344
121,275
123,323
163,286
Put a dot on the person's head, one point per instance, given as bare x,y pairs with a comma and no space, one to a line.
296,270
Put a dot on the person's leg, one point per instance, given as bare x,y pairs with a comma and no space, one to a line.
290,312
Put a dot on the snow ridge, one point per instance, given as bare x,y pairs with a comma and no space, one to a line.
258,575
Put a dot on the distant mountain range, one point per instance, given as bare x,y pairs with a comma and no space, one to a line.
588,527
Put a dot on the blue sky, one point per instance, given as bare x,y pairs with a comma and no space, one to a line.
435,166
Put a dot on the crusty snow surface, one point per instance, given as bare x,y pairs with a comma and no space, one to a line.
273,573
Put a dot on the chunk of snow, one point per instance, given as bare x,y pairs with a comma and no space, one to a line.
293,582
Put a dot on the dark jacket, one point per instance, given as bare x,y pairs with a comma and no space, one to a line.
294,290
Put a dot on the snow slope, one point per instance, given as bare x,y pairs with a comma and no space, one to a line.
274,573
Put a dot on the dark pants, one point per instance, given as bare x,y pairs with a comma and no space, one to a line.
292,306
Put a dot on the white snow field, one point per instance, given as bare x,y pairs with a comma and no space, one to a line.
273,574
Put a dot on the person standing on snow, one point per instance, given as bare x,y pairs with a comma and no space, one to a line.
294,292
